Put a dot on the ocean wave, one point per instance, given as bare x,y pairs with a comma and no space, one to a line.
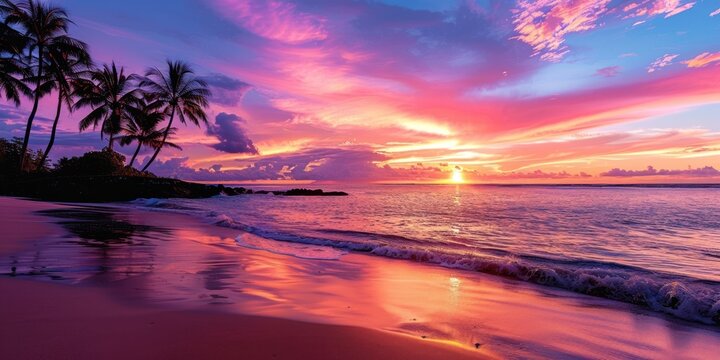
298,250
162,204
686,298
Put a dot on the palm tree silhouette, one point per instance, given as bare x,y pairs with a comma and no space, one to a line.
111,96
144,129
12,70
44,26
64,71
176,92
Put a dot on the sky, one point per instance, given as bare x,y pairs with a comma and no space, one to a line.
568,91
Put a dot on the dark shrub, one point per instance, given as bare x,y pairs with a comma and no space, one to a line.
98,163
10,158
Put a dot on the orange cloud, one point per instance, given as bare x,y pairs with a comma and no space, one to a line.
703,59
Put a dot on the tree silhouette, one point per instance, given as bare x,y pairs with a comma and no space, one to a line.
176,92
144,129
111,95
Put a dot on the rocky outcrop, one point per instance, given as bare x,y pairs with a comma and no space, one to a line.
125,188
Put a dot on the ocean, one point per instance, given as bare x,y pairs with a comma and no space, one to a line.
657,247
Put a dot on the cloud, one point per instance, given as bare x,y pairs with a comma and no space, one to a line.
274,19
589,148
324,164
716,12
232,136
537,174
173,168
353,164
703,59
651,8
661,62
543,24
609,71
707,171
226,90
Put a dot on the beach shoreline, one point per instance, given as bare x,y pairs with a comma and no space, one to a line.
43,319
201,289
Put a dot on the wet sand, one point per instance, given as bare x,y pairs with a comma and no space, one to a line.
153,284
50,321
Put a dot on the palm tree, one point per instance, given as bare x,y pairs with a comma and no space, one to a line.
111,96
44,26
64,73
12,70
176,92
144,130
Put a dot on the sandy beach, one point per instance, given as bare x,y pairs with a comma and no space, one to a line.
43,320
116,282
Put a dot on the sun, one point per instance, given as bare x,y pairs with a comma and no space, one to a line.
457,176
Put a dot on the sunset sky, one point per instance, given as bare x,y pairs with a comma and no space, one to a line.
406,91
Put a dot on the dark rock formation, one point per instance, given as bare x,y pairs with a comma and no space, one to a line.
104,188
317,192
96,188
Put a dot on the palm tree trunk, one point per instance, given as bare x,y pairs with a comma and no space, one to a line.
26,140
135,154
54,128
167,131
110,144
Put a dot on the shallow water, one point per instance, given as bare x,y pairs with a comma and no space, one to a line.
656,247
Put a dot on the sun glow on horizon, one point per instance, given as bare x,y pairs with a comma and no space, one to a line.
457,176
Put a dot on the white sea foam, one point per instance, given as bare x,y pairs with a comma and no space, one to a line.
303,251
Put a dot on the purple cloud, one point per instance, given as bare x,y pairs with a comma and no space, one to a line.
325,164
232,136
226,90
609,71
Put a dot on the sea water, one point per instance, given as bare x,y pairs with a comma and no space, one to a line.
658,247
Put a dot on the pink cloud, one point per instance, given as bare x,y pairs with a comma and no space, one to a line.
531,175
544,24
703,59
609,71
707,171
716,12
649,8
274,19
500,119
661,62
584,148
